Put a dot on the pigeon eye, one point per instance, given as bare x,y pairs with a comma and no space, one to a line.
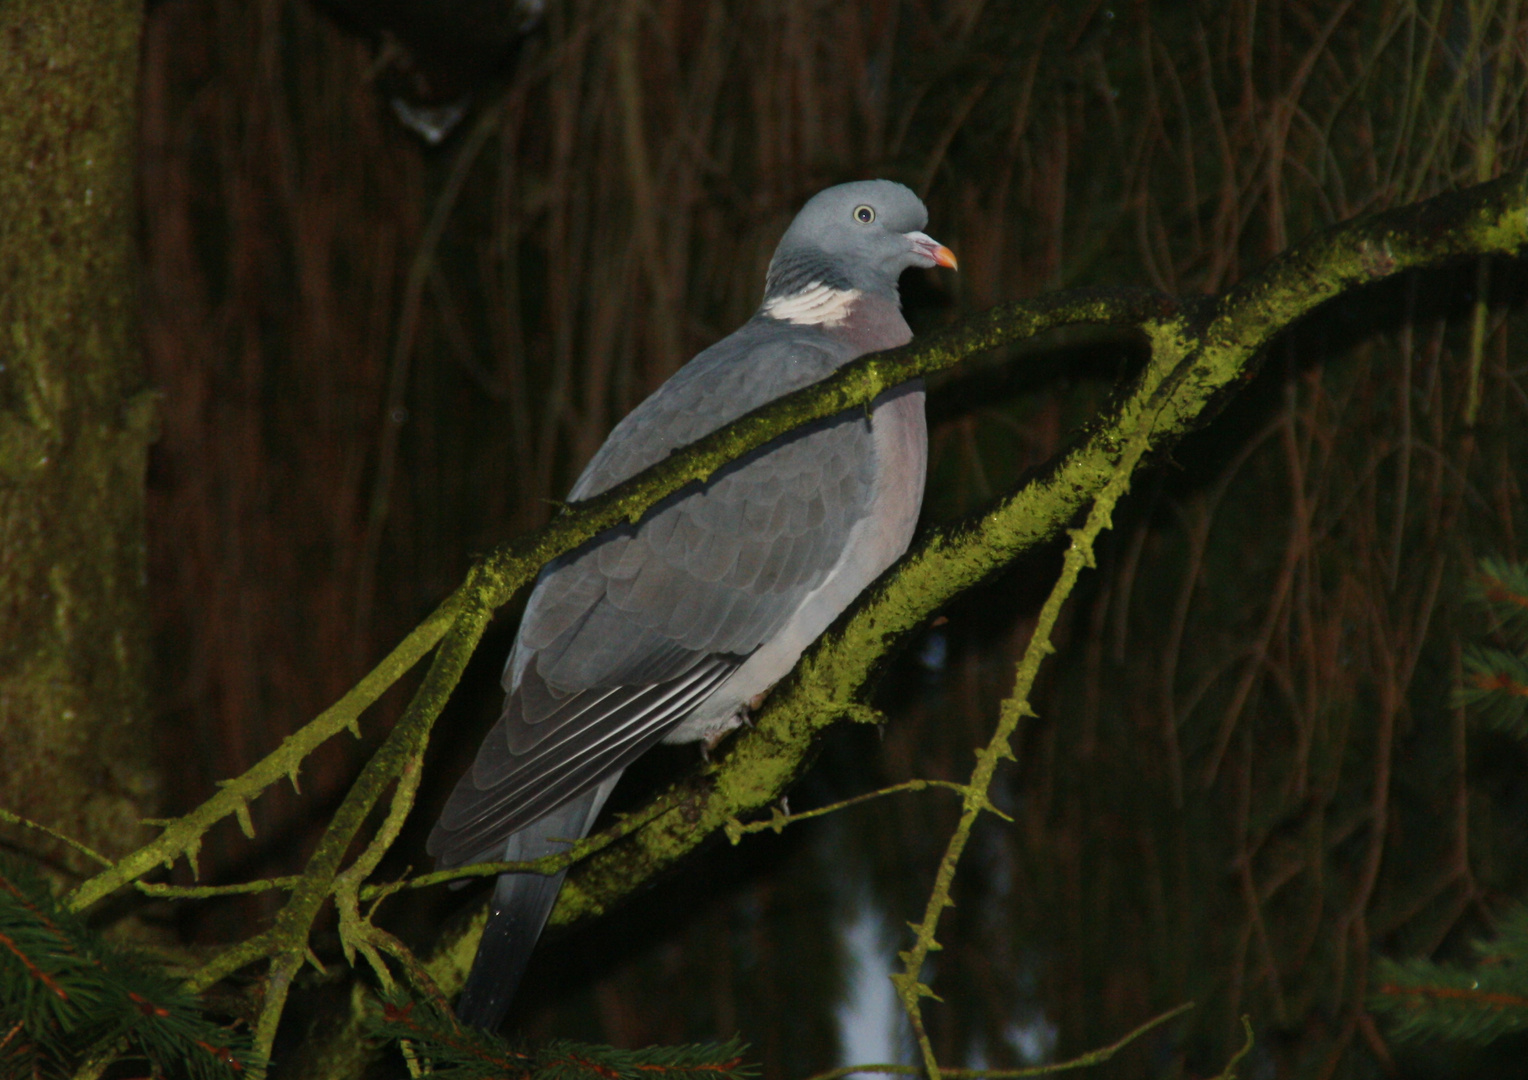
864,214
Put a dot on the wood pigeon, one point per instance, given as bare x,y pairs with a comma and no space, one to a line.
670,630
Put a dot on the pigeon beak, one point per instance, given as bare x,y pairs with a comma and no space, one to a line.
933,250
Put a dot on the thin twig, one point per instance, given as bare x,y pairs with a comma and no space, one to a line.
182,836
1163,370
779,819
1082,1061
83,849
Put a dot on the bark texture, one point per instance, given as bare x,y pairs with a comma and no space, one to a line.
76,421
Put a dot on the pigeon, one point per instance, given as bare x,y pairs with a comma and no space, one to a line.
672,629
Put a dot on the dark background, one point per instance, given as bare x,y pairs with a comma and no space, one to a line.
380,358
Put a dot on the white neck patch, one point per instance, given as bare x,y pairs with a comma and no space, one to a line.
815,305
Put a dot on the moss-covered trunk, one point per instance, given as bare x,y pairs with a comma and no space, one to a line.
76,748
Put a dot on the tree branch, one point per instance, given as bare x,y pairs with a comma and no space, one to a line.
1210,349
976,798
1200,354
510,566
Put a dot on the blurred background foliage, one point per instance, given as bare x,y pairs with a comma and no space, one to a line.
1247,779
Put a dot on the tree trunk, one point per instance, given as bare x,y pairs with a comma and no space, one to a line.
76,421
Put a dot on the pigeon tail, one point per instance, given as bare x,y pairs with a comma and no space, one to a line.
520,906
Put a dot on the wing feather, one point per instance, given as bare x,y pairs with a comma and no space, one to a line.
504,792
622,638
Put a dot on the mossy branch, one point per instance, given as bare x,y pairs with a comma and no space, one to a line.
1081,1061
1199,354
288,938
1210,349
182,836
780,817
1157,385
510,566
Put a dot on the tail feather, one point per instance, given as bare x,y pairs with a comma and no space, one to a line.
520,906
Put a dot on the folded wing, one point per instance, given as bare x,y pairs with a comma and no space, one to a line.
622,638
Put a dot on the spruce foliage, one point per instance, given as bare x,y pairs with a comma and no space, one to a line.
1477,1004
442,1047
1489,999
1496,679
67,997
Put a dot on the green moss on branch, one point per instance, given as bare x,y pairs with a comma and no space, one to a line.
1199,357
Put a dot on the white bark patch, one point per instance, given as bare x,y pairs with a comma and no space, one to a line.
815,305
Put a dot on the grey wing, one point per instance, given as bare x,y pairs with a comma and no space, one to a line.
512,784
622,639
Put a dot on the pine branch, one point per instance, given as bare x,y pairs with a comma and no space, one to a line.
444,1047
1478,1004
1495,684
1495,688
1501,586
1426,1001
1429,1001
69,997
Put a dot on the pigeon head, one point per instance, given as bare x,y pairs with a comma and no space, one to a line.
858,236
